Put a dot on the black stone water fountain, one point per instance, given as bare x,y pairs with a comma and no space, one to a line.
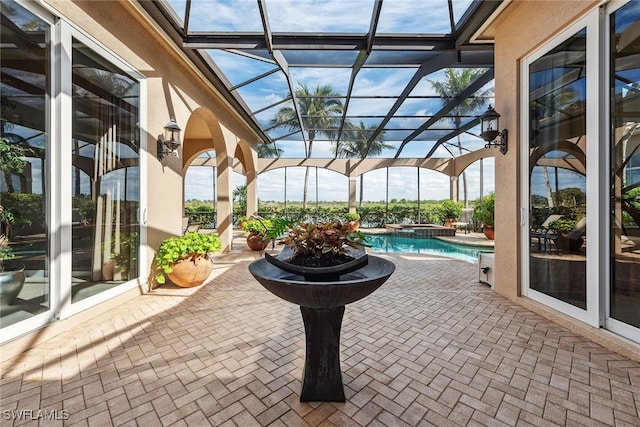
322,294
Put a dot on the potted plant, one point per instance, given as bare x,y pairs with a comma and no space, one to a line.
257,230
450,211
11,279
123,259
483,212
568,237
321,251
353,220
186,260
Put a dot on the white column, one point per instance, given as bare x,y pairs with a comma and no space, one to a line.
352,193
224,202
453,189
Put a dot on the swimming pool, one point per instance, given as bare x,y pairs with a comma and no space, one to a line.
394,243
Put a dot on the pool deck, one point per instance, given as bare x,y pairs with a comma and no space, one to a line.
469,239
431,347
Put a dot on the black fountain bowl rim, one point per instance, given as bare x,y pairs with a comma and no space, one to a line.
360,259
389,264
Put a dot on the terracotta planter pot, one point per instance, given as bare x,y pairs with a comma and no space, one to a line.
108,270
255,242
488,232
353,225
191,272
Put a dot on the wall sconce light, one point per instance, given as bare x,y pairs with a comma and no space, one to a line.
169,142
489,125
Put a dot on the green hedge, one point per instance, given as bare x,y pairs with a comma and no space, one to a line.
374,214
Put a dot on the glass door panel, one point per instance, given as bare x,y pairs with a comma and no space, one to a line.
557,172
105,158
625,165
24,236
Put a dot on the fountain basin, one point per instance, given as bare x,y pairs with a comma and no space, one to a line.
323,294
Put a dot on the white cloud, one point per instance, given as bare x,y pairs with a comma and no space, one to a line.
410,16
337,78
382,81
314,16
222,15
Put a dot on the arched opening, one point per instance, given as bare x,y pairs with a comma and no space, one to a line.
201,192
280,193
480,179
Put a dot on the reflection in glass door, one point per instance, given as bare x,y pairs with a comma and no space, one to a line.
557,172
24,157
106,191
625,166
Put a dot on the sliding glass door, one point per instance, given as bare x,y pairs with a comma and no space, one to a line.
105,157
557,173
624,290
582,167
70,178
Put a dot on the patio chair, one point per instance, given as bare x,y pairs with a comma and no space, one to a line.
464,221
188,227
576,236
570,242
543,234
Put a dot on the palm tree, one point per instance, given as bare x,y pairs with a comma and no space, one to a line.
450,87
268,151
549,105
354,145
320,112
240,200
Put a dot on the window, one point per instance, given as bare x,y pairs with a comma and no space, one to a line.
624,292
24,158
105,158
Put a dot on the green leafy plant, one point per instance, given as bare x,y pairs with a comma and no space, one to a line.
12,156
12,161
484,209
189,246
450,209
127,257
322,244
352,216
6,253
278,227
86,209
257,226
563,225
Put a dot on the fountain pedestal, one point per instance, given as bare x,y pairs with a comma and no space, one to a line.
322,377
322,304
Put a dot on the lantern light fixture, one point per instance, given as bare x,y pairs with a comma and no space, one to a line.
489,125
169,141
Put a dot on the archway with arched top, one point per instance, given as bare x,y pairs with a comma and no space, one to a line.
203,133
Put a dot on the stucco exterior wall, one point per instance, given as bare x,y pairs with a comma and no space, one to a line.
521,28
174,89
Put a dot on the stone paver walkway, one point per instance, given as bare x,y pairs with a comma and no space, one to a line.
430,347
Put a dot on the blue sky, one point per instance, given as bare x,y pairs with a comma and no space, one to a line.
321,16
313,16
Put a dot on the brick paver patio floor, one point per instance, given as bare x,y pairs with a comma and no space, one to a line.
430,347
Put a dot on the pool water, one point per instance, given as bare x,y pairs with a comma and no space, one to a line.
395,243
